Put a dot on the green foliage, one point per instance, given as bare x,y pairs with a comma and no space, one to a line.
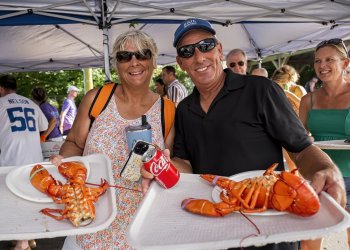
57,82
306,75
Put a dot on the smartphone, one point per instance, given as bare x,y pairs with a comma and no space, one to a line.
132,166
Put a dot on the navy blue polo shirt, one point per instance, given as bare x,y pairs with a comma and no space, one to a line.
245,128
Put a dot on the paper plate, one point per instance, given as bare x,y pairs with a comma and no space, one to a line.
333,144
18,180
241,176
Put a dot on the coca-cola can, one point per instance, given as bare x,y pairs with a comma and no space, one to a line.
157,164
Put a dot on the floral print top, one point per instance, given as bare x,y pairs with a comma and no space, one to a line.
107,136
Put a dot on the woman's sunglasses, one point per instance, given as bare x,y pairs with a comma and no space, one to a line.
233,64
205,45
335,41
125,56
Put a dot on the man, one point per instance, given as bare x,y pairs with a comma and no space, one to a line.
260,72
237,61
21,124
233,123
175,90
69,110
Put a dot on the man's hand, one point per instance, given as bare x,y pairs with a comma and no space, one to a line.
317,166
331,181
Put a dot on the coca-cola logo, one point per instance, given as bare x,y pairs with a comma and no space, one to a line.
159,166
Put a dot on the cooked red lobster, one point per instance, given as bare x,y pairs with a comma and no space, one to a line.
284,192
75,195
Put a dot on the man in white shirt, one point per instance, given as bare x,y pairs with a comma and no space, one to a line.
21,123
176,91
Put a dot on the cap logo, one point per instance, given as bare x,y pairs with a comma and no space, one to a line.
189,22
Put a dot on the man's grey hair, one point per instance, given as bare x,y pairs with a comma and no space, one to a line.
236,51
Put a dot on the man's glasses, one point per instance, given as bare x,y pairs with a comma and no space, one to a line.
125,56
205,45
233,64
335,41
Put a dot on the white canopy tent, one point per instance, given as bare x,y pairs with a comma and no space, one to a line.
60,34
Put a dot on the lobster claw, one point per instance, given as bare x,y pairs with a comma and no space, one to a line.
73,170
44,182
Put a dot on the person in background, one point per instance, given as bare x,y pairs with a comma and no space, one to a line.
260,72
325,112
237,61
68,111
311,85
176,91
287,77
21,124
135,54
229,118
160,87
51,113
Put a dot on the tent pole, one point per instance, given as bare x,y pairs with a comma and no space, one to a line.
105,26
106,54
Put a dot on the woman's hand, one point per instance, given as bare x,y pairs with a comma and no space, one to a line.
147,177
56,159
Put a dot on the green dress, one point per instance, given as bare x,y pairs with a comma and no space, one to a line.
331,124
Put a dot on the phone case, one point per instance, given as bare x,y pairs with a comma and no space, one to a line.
131,169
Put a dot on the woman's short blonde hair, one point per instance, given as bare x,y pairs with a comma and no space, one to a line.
285,74
139,39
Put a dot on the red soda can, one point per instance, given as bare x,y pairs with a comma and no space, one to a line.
157,164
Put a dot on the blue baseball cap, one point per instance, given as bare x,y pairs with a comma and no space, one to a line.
191,24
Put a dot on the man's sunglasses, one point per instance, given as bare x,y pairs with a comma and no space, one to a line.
233,64
205,45
335,41
125,56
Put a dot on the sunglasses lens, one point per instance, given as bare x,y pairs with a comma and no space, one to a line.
144,55
186,51
204,46
233,64
123,56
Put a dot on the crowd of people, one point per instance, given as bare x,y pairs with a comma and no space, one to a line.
289,120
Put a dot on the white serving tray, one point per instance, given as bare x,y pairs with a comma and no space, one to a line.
333,144
160,223
21,219
18,181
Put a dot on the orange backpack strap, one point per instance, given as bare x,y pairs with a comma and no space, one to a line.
168,116
101,100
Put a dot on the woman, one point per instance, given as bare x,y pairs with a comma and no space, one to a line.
160,87
287,77
325,112
135,55
51,113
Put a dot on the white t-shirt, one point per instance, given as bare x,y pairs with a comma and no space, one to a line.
20,126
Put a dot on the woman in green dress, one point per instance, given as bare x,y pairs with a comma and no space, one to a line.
325,112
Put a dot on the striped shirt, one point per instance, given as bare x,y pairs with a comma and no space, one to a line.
177,91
